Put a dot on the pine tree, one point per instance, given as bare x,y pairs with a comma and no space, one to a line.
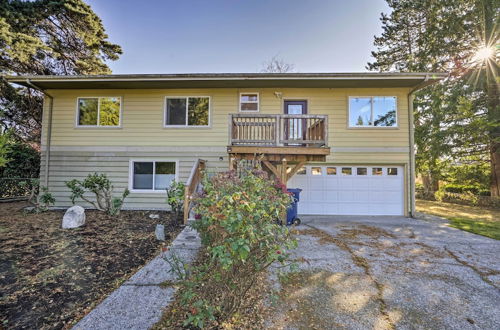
46,37
453,119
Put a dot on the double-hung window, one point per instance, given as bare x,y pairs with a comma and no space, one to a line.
249,102
373,111
189,111
99,111
152,175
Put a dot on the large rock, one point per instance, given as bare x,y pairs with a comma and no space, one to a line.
74,217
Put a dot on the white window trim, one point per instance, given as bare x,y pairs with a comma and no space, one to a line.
257,102
187,106
396,125
77,117
149,160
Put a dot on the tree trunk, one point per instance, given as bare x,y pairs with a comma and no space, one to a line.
492,90
495,170
430,182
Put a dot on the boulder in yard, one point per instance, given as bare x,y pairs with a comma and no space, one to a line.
74,217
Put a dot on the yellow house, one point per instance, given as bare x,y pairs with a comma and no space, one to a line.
345,139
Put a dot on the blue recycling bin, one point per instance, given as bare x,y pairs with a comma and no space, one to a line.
291,214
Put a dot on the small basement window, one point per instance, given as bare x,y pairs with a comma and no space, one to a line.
152,175
249,102
373,111
99,111
187,111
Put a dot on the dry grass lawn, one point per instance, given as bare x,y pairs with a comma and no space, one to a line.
478,220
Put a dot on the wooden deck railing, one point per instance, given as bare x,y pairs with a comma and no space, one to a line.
278,130
191,186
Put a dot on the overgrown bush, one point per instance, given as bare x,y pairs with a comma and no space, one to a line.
24,161
101,187
175,197
240,232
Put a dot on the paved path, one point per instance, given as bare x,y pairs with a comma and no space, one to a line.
390,272
140,301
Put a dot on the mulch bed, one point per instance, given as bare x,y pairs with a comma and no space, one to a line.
51,277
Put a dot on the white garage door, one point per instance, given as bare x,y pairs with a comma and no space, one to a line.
350,190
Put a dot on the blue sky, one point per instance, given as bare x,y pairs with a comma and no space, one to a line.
186,36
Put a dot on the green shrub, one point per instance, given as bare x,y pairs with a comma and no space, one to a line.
39,196
240,232
467,198
461,188
175,197
101,187
24,161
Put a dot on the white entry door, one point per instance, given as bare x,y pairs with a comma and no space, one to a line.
350,190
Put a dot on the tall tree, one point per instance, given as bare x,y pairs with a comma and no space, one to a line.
46,37
454,118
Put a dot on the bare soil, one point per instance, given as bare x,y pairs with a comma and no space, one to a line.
51,277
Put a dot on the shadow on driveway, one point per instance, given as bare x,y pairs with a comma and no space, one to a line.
359,272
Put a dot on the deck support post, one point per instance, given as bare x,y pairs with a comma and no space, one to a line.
294,170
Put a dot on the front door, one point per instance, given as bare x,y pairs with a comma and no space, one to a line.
295,129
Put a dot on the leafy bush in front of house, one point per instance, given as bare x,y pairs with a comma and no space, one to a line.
101,187
242,239
38,196
175,197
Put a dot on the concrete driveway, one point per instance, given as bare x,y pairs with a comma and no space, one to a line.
389,273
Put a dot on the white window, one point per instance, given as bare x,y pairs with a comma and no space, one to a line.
249,102
373,111
151,175
187,111
98,112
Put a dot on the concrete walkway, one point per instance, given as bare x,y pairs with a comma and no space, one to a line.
140,301
390,273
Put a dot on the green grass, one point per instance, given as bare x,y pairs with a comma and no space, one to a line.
485,228
474,219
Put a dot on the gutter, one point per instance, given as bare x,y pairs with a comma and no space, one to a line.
49,129
411,138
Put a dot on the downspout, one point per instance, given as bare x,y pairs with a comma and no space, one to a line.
49,129
411,138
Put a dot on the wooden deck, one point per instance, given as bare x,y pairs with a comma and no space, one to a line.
273,138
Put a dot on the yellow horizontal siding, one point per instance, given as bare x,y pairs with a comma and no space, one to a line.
142,117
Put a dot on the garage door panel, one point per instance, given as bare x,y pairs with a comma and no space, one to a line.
361,193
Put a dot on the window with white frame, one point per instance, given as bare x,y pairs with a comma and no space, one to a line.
187,111
152,175
249,102
99,111
373,111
